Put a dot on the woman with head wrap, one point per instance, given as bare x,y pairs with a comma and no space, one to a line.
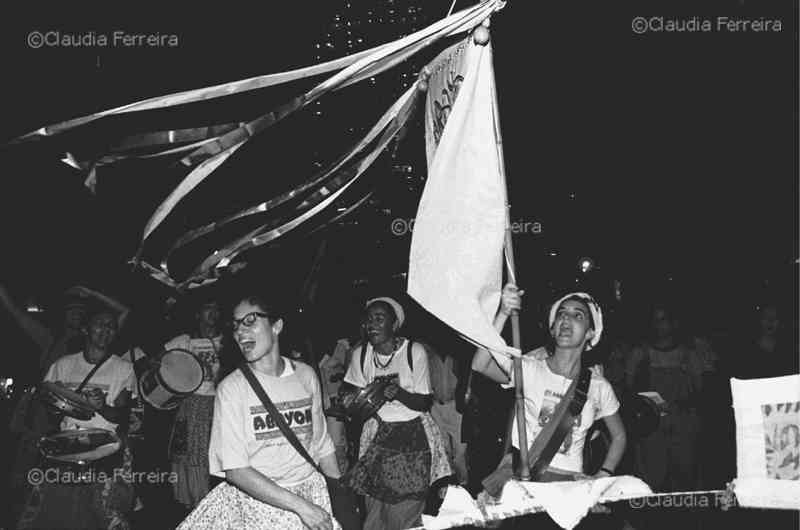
402,451
576,325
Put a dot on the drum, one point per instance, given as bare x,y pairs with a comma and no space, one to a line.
166,383
640,414
82,449
65,401
364,403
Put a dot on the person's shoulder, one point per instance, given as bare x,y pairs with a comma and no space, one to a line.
599,382
420,348
536,354
67,360
231,382
304,371
119,363
178,341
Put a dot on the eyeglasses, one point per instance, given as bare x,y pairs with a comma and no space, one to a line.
248,320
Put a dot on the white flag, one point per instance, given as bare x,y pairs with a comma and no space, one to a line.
455,264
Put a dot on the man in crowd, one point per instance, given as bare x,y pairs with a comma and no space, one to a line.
107,381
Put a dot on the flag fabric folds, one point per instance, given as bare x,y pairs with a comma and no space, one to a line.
455,263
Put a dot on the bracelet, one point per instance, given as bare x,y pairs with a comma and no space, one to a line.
607,470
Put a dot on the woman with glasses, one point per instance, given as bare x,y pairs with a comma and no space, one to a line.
268,484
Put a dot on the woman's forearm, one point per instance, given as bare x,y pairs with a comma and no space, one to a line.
615,452
262,488
418,402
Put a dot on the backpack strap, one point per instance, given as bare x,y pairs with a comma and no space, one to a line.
363,356
409,355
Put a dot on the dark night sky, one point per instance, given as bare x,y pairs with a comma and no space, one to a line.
663,154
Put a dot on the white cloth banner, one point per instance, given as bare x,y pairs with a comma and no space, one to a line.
767,415
455,263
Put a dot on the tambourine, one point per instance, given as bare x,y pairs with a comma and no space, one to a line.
81,448
65,401
364,403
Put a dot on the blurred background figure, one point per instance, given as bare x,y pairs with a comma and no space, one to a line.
444,382
668,363
188,448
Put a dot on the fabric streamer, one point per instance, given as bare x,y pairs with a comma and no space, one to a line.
368,66
274,202
321,199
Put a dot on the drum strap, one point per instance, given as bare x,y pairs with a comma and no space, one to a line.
549,440
276,416
91,373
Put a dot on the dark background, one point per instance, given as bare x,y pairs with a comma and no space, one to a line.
669,158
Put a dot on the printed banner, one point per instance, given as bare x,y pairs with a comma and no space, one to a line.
455,264
767,415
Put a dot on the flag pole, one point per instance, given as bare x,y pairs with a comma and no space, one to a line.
523,472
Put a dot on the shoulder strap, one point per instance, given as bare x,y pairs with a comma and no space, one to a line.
410,354
277,417
363,356
551,437
92,372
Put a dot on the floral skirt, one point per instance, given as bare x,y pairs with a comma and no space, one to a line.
399,460
188,449
228,507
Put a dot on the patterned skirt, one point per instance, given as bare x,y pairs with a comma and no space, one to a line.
188,450
228,507
399,460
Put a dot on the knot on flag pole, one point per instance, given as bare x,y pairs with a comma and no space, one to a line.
481,35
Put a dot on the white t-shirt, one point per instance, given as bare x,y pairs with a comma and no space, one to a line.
244,435
114,376
418,382
331,365
207,352
543,390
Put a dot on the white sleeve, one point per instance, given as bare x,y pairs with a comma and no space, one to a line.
227,448
182,342
609,404
421,373
52,373
354,375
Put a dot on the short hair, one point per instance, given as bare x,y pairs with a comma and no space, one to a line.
95,311
271,306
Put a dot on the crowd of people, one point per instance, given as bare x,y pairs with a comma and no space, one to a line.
189,442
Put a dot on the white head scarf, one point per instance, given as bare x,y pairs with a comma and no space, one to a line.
594,308
395,305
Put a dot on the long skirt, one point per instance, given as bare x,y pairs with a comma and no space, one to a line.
189,449
399,460
229,508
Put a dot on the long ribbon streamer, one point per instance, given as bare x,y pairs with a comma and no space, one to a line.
269,232
281,199
367,66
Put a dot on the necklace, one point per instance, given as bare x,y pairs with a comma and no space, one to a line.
384,366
